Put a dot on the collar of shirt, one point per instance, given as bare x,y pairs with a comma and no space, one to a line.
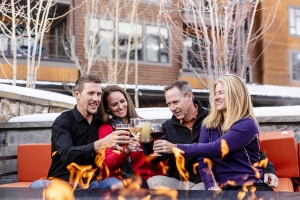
190,123
78,116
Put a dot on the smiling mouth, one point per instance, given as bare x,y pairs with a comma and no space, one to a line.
94,104
121,111
177,113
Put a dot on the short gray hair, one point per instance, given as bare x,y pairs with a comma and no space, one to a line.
183,86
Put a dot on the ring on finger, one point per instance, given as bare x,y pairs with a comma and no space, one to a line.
118,142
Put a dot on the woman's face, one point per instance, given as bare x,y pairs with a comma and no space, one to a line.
117,104
220,98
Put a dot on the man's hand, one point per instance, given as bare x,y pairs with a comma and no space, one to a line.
271,179
163,146
113,140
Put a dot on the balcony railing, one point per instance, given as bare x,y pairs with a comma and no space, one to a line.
51,49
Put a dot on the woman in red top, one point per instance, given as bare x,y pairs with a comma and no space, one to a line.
116,107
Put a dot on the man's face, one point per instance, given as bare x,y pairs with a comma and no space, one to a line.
179,104
88,100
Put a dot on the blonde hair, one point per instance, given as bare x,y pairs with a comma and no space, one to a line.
238,103
103,108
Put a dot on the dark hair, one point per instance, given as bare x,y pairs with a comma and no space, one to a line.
103,109
183,86
79,84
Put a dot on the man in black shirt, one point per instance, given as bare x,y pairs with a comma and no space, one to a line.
75,136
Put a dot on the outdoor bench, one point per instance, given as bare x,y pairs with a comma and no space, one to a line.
33,162
280,148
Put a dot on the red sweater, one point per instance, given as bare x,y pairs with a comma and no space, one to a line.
114,159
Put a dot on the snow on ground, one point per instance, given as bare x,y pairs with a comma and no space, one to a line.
277,111
147,113
41,94
254,89
165,113
159,113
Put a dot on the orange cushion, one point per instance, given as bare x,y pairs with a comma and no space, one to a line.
17,184
280,148
285,185
33,161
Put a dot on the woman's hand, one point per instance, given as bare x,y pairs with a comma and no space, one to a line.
163,146
132,145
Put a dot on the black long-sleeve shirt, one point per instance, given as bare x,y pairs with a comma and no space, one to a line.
72,141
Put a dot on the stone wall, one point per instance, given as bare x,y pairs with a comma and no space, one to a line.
13,134
13,104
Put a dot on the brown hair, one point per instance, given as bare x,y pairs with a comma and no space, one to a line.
103,109
79,84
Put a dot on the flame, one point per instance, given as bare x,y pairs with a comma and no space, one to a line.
230,182
195,165
81,175
132,183
263,163
241,195
141,193
58,190
53,153
104,171
117,151
254,167
208,162
149,158
164,167
169,193
245,189
180,161
224,148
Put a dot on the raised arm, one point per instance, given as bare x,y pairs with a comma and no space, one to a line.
239,135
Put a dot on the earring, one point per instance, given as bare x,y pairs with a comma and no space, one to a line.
109,115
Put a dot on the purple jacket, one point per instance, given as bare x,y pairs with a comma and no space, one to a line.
238,165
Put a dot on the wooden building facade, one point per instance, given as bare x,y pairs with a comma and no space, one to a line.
155,67
280,62
55,65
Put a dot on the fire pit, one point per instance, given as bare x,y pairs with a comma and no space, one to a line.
86,194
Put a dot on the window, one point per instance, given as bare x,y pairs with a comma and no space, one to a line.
150,42
156,43
294,21
295,68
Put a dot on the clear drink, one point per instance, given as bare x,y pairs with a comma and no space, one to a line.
136,130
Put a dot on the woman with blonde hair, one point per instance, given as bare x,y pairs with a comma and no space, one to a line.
117,108
228,147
